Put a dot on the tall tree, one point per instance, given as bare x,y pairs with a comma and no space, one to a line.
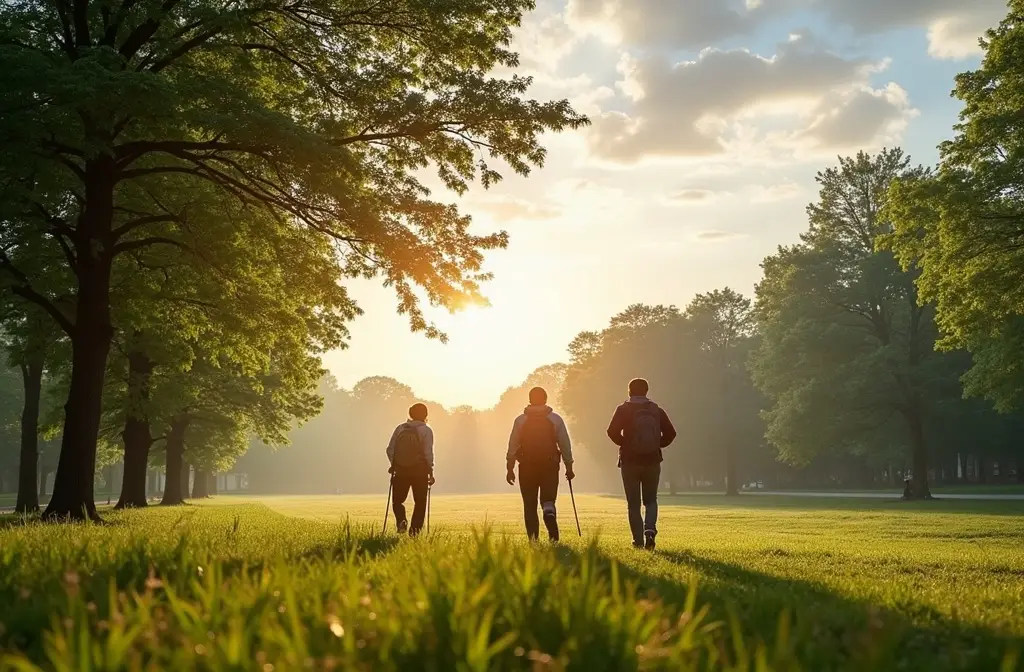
31,342
317,112
285,301
963,228
723,321
846,343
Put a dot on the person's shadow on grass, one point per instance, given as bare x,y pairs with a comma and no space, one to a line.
826,630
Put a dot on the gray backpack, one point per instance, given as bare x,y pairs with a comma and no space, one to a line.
409,449
645,434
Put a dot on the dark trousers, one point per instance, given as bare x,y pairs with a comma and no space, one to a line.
640,482
537,482
415,480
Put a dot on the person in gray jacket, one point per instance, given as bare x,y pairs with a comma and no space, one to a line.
539,441
411,454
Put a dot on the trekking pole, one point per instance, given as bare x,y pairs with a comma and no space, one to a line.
573,498
387,507
430,488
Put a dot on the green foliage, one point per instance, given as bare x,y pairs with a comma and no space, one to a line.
961,228
846,347
318,112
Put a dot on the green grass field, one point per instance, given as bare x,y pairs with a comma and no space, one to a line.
309,583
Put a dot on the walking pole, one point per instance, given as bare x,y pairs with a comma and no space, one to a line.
387,507
429,489
573,498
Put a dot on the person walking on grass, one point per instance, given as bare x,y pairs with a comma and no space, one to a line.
539,441
641,429
411,454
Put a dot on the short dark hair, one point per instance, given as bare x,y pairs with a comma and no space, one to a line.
538,396
638,387
418,412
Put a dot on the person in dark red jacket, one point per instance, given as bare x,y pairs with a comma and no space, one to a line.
641,429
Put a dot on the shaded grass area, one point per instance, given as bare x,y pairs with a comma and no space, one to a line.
842,585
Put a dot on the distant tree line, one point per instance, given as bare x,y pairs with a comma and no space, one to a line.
342,450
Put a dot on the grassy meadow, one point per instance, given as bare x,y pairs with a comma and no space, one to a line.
754,583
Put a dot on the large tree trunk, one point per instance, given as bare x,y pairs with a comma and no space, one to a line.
173,489
28,466
137,436
91,335
919,454
201,484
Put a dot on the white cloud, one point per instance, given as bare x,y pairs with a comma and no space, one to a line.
682,23
690,196
953,26
860,118
542,41
957,38
504,209
737,101
773,193
717,236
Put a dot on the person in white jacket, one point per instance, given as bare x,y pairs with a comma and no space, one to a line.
411,454
539,441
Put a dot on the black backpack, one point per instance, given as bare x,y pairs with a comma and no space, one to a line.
645,431
409,448
538,442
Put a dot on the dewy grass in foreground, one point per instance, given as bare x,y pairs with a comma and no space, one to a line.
242,588
246,589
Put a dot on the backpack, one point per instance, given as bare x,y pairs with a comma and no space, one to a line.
645,431
409,448
538,443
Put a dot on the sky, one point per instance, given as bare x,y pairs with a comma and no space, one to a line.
710,119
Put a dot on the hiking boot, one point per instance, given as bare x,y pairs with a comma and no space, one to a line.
551,522
402,526
649,539
638,544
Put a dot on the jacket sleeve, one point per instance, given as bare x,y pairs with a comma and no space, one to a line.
391,445
428,446
616,426
668,432
513,444
562,437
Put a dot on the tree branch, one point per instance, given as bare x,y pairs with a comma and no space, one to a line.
66,249
182,50
129,245
80,10
25,290
143,33
131,151
131,225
